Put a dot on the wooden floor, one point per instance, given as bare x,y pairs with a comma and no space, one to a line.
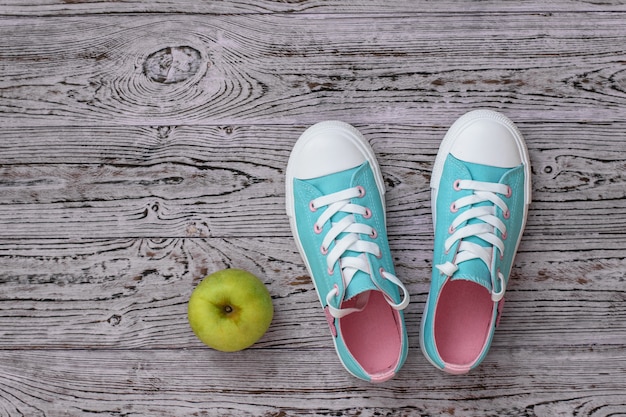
143,144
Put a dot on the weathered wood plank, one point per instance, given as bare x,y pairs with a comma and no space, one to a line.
112,293
298,69
63,7
199,181
261,383
133,293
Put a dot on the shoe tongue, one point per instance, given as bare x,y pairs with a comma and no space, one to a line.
361,282
475,270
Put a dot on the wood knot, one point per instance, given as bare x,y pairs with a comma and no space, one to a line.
172,64
114,320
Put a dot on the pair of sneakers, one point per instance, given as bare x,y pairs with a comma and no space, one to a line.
336,207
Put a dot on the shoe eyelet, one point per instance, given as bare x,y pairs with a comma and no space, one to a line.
374,234
324,250
312,207
331,271
381,271
317,229
509,192
504,235
379,255
361,191
453,208
367,214
457,185
451,229
507,214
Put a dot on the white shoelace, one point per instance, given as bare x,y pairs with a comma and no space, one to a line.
350,241
482,192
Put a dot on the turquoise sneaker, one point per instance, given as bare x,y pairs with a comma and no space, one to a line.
480,195
335,203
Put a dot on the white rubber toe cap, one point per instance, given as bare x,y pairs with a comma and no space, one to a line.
326,148
488,138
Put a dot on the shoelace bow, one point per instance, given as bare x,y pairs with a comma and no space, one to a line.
485,230
350,241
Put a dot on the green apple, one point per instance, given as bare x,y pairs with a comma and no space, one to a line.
230,310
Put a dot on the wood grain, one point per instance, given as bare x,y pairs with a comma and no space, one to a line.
229,181
214,386
73,7
292,69
133,293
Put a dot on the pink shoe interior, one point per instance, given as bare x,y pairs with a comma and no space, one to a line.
373,335
462,321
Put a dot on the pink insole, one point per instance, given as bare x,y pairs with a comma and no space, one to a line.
462,321
373,335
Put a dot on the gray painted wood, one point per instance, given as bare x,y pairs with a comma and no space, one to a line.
71,7
143,145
